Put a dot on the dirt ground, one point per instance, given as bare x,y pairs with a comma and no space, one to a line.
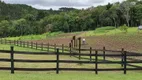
57,41
133,44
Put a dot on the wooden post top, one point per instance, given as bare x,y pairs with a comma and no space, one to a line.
74,37
79,38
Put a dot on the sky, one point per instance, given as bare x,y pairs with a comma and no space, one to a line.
56,4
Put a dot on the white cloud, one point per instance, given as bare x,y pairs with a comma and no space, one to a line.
55,4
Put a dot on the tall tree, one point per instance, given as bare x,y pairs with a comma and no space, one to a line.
114,13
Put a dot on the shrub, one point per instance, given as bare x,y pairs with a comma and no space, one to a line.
124,28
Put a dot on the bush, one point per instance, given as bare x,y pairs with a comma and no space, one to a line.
124,28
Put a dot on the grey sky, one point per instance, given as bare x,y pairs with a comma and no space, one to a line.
55,4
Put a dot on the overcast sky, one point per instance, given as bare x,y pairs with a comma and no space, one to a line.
55,4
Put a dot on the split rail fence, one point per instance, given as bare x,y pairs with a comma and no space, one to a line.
124,55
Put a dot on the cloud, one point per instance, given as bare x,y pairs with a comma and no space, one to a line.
55,4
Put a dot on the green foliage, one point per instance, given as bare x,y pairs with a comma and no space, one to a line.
24,20
104,29
124,28
108,31
4,28
36,37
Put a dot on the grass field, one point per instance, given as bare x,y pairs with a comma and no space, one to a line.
71,76
16,48
110,31
36,37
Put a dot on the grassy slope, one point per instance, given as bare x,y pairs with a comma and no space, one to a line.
109,31
35,37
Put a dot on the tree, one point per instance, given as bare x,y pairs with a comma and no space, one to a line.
125,9
138,13
4,28
21,27
108,6
113,14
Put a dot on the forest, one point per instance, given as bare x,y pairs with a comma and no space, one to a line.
20,19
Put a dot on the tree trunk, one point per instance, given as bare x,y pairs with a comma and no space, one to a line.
141,22
128,24
115,24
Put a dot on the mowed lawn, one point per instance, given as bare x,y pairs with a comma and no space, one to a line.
71,76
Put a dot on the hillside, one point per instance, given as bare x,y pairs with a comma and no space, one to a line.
109,37
15,11
20,19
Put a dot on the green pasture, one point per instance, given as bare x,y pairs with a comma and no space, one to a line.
36,37
110,31
72,76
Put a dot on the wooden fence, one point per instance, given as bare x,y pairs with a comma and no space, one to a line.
38,46
96,62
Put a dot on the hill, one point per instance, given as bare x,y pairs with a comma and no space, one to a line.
20,19
15,11
111,38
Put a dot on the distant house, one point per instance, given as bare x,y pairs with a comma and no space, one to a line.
140,27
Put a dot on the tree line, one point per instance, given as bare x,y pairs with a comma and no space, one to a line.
18,20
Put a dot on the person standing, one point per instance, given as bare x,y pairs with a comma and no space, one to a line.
83,41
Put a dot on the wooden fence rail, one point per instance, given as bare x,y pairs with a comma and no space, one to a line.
96,62
34,45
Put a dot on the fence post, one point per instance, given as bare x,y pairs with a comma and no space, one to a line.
42,46
62,48
122,58
17,42
23,43
31,44
125,62
79,48
48,47
96,62
72,43
5,41
14,42
12,59
104,53
57,64
74,38
36,45
55,47
76,43
70,48
28,44
90,53
10,42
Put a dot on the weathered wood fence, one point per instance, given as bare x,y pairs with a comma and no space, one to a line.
96,62
38,46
